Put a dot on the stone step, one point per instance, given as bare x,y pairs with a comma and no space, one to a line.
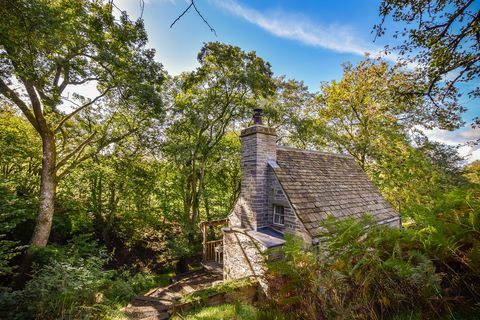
187,289
160,304
157,303
160,316
167,296
137,313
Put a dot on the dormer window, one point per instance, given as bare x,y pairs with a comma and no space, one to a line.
278,214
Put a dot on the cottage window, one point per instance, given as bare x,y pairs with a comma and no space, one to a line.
278,214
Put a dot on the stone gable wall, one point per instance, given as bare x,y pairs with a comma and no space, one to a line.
242,255
277,196
246,257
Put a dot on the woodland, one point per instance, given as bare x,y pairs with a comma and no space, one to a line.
101,197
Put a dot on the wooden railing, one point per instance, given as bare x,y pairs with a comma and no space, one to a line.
213,251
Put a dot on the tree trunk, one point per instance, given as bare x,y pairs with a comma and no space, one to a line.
43,226
48,185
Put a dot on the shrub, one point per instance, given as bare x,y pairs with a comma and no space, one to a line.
67,289
366,271
126,286
14,211
70,282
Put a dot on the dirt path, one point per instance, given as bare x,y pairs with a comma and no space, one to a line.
157,303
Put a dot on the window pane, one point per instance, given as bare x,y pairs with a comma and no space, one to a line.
278,214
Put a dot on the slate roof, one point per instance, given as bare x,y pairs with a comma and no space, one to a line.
319,184
267,236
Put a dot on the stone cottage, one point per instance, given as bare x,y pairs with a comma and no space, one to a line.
286,190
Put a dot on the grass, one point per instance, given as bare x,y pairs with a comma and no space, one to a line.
222,312
227,286
237,311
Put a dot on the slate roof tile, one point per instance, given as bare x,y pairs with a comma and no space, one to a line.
320,184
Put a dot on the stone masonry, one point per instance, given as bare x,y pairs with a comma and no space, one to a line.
243,255
309,185
258,147
276,196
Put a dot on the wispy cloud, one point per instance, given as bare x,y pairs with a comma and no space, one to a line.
335,37
135,7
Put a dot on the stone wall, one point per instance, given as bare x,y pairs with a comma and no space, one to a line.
276,196
258,147
242,255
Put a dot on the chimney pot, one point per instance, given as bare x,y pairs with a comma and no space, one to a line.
257,116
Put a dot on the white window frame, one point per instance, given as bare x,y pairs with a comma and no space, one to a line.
280,216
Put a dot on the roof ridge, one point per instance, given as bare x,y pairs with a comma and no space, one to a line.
342,155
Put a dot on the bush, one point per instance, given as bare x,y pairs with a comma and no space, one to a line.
70,282
14,211
366,271
67,289
126,286
66,283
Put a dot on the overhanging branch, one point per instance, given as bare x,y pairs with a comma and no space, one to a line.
192,5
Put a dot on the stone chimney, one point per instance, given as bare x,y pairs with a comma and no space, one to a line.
258,147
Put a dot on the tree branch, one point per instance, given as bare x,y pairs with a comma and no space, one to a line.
192,4
10,94
453,18
70,115
65,81
76,151
204,20
75,83
181,15
37,107
72,166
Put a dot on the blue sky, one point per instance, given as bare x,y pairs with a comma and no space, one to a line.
305,40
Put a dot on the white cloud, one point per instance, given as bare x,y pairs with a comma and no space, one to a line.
460,138
461,135
338,38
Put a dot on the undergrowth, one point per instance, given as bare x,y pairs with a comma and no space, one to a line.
366,271
70,282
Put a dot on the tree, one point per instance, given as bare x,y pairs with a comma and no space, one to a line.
369,106
285,111
209,101
443,38
19,152
372,114
472,172
50,47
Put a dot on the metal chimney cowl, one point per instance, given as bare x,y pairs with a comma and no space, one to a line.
257,116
